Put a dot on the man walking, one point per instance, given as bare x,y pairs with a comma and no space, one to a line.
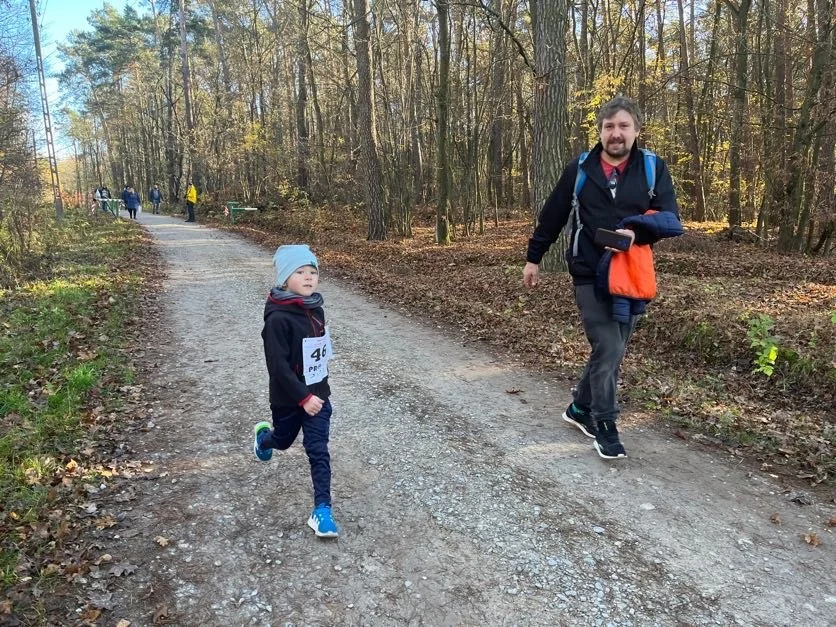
606,188
156,197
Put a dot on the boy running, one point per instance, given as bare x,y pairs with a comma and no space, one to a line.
297,348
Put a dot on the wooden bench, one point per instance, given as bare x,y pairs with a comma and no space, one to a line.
233,207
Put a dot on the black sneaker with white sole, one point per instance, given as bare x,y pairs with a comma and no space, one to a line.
581,419
606,441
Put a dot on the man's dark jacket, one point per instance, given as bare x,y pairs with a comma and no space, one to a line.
285,326
598,209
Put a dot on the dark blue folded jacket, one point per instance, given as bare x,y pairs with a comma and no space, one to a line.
653,226
658,225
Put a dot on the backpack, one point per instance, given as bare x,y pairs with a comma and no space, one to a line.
580,179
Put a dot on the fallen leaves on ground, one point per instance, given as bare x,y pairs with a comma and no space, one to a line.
690,361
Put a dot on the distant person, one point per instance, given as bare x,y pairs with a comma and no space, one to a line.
131,200
616,195
102,195
297,348
156,197
191,201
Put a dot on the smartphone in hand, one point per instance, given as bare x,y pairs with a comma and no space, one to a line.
612,239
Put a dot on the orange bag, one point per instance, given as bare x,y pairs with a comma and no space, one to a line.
632,273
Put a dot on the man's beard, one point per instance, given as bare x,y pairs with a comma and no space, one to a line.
617,149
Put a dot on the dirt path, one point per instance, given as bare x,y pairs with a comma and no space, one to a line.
459,502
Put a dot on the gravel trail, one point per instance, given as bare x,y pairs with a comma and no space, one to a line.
462,497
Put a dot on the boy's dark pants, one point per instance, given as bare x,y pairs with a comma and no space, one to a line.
596,391
315,431
190,209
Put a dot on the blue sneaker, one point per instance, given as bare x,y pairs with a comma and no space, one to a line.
262,454
322,523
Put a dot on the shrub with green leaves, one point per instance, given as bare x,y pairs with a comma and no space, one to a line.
764,343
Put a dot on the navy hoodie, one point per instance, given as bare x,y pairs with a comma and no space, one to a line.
286,324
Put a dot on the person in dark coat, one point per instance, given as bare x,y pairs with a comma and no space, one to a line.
297,348
131,200
616,189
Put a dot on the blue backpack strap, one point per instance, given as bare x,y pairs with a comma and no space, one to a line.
575,216
650,171
580,177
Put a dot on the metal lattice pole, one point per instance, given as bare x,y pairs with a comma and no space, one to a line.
50,144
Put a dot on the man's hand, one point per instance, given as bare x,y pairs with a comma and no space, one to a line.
629,233
313,405
531,274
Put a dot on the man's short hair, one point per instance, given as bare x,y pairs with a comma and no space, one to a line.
620,103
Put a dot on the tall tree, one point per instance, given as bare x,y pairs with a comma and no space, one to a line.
187,89
695,181
498,92
302,131
442,216
741,76
366,124
739,109
790,237
551,123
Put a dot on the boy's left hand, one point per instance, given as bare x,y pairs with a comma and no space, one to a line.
313,405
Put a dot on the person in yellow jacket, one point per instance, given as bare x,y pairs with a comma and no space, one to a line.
191,200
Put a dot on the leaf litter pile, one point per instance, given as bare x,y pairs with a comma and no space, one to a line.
691,365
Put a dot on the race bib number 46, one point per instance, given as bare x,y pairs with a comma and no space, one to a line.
316,353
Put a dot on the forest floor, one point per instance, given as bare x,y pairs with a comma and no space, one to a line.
691,361
461,495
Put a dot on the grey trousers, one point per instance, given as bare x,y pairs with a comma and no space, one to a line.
596,391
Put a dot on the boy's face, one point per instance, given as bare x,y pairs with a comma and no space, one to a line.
303,281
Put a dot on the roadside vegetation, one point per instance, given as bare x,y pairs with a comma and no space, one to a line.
64,378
